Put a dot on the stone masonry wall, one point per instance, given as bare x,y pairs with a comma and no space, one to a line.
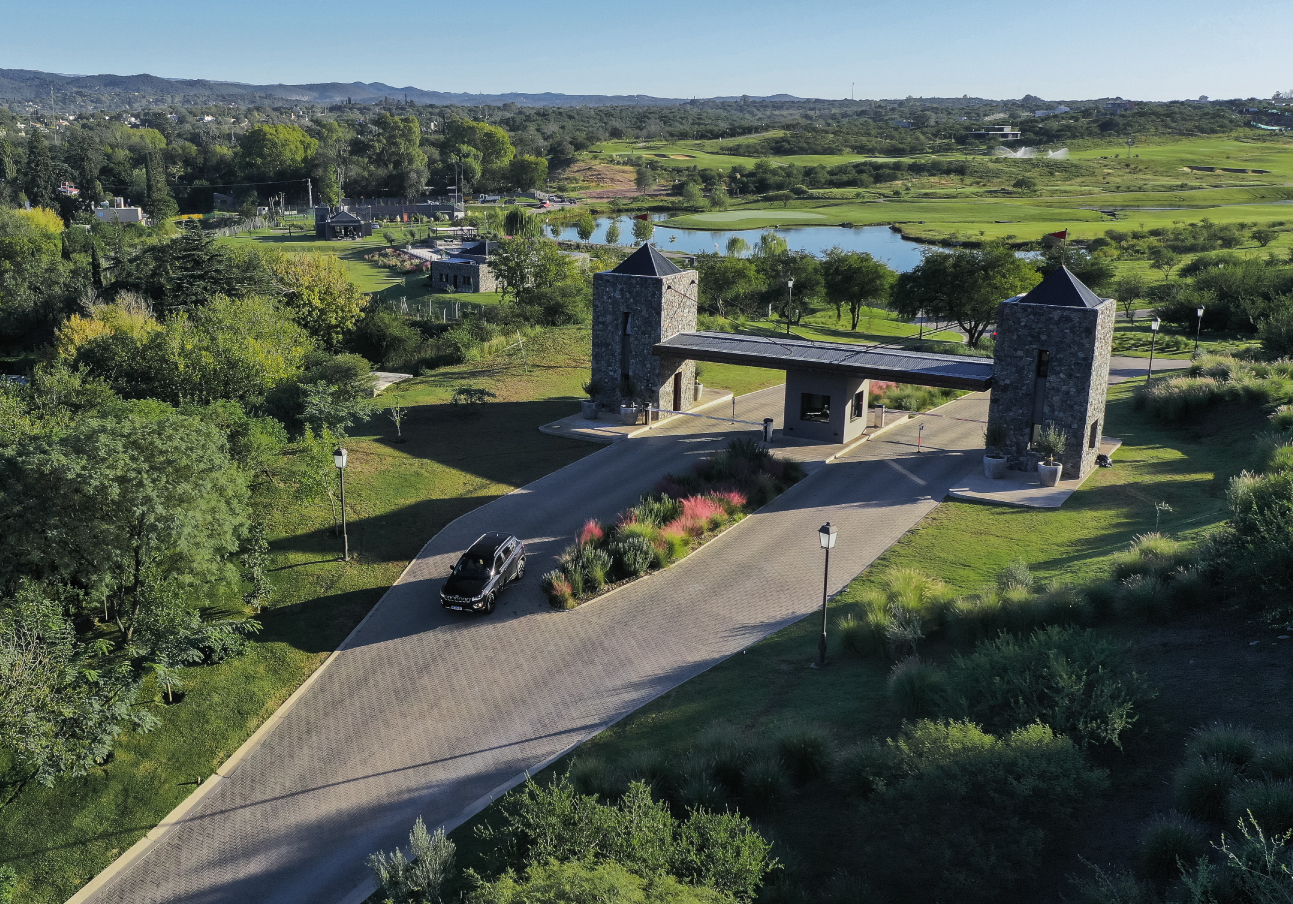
1079,342
661,307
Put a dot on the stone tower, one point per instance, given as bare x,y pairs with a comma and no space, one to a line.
645,300
1051,366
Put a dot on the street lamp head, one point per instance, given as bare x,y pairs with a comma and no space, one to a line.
826,533
790,283
1154,325
339,458
1200,310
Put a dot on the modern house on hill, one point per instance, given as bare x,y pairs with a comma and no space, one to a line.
340,224
467,270
996,133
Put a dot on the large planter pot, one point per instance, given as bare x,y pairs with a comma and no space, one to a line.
1049,475
994,468
700,389
628,415
589,409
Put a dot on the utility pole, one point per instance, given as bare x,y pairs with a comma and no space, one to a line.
309,187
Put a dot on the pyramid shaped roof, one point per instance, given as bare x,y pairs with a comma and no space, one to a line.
646,261
1062,289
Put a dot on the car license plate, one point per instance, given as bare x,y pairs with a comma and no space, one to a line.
459,608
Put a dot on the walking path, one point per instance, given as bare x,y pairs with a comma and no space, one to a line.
426,713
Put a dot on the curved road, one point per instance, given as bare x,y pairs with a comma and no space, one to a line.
425,713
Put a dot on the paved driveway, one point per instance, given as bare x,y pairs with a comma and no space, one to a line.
423,713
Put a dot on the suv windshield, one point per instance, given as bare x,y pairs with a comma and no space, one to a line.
472,566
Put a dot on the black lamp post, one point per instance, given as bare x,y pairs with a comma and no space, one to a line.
827,534
790,297
1153,329
1198,329
339,456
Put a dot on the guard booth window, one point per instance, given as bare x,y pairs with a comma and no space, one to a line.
859,406
814,407
1094,442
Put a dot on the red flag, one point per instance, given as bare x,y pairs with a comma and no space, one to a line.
1062,234
643,216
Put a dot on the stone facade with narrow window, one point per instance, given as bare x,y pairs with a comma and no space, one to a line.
1051,366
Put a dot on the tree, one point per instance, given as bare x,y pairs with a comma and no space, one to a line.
727,281
737,247
643,229
1128,290
191,269
719,199
526,173
858,280
318,295
585,226
530,263
384,336
272,153
1264,235
520,223
39,178
613,232
785,197
117,508
158,203
398,147
643,179
691,195
1163,259
965,286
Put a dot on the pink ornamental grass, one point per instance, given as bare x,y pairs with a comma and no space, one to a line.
703,509
591,532
731,500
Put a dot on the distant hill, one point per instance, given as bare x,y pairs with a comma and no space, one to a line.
86,91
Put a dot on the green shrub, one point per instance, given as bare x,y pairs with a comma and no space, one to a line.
578,882
764,783
697,788
915,687
975,811
1171,842
634,554
539,824
650,767
1228,743
1015,574
1061,604
1072,680
425,875
806,751
1149,555
1274,762
728,752
597,568
656,510
1269,802
1145,597
1202,787
593,776
865,769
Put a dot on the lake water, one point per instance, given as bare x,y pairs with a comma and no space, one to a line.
878,241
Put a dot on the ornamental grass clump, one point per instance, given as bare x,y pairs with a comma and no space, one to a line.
1229,743
806,751
1171,842
915,688
1270,803
1202,787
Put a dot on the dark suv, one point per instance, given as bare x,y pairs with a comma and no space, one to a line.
492,562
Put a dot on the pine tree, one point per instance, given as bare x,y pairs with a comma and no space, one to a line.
158,203
38,173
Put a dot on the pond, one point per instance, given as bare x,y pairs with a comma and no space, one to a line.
878,241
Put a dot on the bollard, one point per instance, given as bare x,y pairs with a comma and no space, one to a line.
920,433
767,430
882,416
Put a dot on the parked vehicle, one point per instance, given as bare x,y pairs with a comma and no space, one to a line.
489,565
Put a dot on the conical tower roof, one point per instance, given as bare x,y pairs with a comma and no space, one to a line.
646,261
1061,289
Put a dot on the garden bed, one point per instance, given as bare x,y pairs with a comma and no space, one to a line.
684,512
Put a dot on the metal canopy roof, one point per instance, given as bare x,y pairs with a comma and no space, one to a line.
871,362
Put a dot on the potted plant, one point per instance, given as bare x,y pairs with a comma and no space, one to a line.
628,408
995,437
1050,443
589,405
700,387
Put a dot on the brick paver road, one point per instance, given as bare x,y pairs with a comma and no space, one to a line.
423,713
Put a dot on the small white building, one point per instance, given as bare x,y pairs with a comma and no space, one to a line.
116,211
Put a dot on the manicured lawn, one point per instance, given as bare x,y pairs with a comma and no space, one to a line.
965,545
398,495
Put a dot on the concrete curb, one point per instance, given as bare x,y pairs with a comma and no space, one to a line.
609,438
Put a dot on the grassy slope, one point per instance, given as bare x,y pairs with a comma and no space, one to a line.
966,545
398,496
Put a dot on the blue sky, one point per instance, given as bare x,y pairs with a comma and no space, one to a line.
1147,49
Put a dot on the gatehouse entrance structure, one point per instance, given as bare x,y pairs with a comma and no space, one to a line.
1051,364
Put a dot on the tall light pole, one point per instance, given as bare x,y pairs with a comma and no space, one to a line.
1153,329
339,456
827,534
1198,329
790,297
